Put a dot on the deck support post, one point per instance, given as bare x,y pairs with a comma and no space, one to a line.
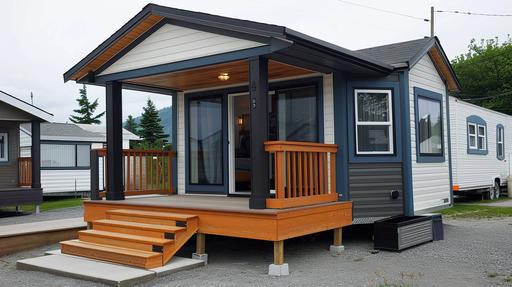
200,253
279,268
114,114
258,92
337,247
35,153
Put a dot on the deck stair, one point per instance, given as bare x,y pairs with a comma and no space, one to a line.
145,239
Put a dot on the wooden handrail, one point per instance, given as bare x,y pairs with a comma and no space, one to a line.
145,172
304,173
25,171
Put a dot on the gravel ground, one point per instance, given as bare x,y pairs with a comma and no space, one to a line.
8,218
475,253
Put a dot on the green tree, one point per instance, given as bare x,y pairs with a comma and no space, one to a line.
151,130
131,125
485,74
85,113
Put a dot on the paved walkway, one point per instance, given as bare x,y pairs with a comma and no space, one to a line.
9,218
501,203
41,226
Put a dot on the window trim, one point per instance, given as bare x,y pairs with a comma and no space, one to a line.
478,122
500,129
433,96
6,147
388,123
76,167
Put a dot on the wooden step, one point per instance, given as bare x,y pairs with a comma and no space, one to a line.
137,242
150,217
137,228
115,254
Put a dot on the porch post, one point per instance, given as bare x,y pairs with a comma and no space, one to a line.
114,114
258,89
36,154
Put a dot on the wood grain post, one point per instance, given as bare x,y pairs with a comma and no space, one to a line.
200,243
338,237
279,252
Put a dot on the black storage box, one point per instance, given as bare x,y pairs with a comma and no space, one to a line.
401,232
437,226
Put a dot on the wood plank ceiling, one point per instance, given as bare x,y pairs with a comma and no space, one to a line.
207,77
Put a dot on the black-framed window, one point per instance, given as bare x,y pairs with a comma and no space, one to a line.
4,147
65,155
373,121
500,142
476,135
205,140
429,126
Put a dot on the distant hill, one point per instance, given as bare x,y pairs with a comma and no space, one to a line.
165,119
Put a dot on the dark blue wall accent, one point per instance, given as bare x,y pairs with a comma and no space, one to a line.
449,143
341,133
406,144
474,119
498,127
424,158
397,136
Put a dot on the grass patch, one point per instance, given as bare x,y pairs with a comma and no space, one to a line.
503,198
477,211
51,205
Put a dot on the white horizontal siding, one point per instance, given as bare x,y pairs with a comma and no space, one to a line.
473,170
431,181
172,43
181,143
65,180
328,109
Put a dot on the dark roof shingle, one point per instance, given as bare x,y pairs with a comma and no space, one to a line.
396,53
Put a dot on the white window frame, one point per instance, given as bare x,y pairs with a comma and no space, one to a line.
6,148
388,123
501,133
484,142
475,135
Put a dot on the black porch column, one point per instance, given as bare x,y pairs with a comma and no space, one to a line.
35,152
258,89
114,114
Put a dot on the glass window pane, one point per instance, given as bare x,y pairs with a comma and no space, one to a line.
472,141
500,150
430,126
293,115
58,155
481,143
4,149
373,138
481,131
500,134
472,129
205,141
83,155
372,107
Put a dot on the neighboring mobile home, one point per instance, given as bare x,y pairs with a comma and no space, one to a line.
288,131
65,154
481,158
20,178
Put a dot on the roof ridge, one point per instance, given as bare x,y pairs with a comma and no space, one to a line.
395,43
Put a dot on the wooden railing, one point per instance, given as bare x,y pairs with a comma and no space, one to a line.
145,172
304,173
25,171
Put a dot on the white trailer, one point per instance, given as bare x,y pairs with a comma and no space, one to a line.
480,148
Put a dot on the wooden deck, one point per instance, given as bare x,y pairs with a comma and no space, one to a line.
231,216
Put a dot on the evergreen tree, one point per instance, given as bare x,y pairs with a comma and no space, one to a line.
131,125
85,112
151,131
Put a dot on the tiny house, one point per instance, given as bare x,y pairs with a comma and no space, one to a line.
20,179
480,140
65,154
276,134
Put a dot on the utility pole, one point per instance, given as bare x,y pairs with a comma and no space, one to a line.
432,21
31,98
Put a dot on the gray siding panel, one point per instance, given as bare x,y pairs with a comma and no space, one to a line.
9,170
370,186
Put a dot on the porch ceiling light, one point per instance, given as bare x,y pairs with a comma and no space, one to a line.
223,76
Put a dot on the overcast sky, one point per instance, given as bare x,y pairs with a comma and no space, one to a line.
43,39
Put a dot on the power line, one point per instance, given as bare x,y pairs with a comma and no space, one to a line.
473,14
384,10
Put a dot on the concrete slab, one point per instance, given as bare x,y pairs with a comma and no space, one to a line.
42,226
91,270
177,264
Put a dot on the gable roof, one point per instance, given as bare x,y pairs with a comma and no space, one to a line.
25,107
153,15
75,132
407,54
